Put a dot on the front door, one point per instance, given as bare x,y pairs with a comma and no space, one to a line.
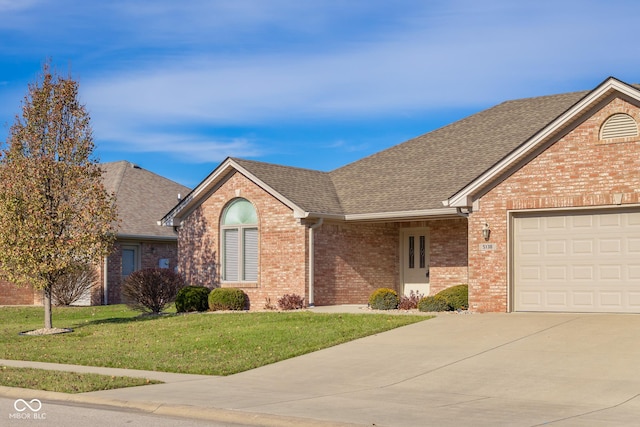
129,260
415,260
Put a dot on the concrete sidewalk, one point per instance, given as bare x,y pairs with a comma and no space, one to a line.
475,369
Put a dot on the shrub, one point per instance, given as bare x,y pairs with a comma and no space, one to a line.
151,289
457,297
74,284
453,298
384,299
410,302
434,303
228,299
268,305
192,298
291,302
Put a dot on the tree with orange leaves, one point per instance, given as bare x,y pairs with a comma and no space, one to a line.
55,213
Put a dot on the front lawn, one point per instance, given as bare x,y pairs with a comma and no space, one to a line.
65,382
199,343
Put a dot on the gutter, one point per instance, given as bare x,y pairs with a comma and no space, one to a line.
462,213
146,237
394,216
311,260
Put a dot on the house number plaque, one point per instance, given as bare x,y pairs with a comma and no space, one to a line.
487,247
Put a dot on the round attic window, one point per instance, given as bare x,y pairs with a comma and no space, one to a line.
619,126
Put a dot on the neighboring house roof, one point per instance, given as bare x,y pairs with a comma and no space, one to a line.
142,198
416,178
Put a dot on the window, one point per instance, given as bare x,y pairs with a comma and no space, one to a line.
239,232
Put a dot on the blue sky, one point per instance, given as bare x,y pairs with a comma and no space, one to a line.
178,86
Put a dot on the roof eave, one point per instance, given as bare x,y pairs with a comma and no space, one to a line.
146,237
403,215
396,216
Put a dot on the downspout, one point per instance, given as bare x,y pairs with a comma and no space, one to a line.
311,260
459,212
105,282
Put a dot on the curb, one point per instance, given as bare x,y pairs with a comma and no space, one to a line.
180,411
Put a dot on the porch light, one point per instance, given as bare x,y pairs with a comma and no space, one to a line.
486,231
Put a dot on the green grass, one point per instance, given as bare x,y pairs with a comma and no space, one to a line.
200,343
65,382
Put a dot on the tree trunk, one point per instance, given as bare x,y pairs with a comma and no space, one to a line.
48,324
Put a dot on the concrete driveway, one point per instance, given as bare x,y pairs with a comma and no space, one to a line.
519,369
515,369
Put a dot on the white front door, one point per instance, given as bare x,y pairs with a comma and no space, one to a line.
415,260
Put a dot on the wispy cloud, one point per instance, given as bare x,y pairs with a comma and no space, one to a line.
166,76
186,147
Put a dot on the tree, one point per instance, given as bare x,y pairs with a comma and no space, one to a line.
55,213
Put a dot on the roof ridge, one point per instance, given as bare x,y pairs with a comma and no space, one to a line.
122,167
240,160
552,95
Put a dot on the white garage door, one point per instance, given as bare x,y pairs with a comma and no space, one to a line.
579,262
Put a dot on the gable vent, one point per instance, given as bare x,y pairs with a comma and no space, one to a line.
619,126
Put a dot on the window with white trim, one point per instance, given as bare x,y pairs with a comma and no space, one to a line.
239,241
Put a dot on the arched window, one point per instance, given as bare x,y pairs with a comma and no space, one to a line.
239,231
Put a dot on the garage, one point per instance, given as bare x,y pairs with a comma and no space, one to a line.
577,261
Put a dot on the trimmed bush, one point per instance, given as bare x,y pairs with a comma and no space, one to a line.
151,289
450,299
384,299
434,303
291,302
192,298
410,302
228,299
457,296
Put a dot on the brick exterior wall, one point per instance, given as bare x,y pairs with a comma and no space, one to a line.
283,244
448,254
352,260
150,252
10,294
577,171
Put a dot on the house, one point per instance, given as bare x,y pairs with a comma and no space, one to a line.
535,203
142,198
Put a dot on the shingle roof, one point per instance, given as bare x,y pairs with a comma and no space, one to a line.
311,190
422,172
142,198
